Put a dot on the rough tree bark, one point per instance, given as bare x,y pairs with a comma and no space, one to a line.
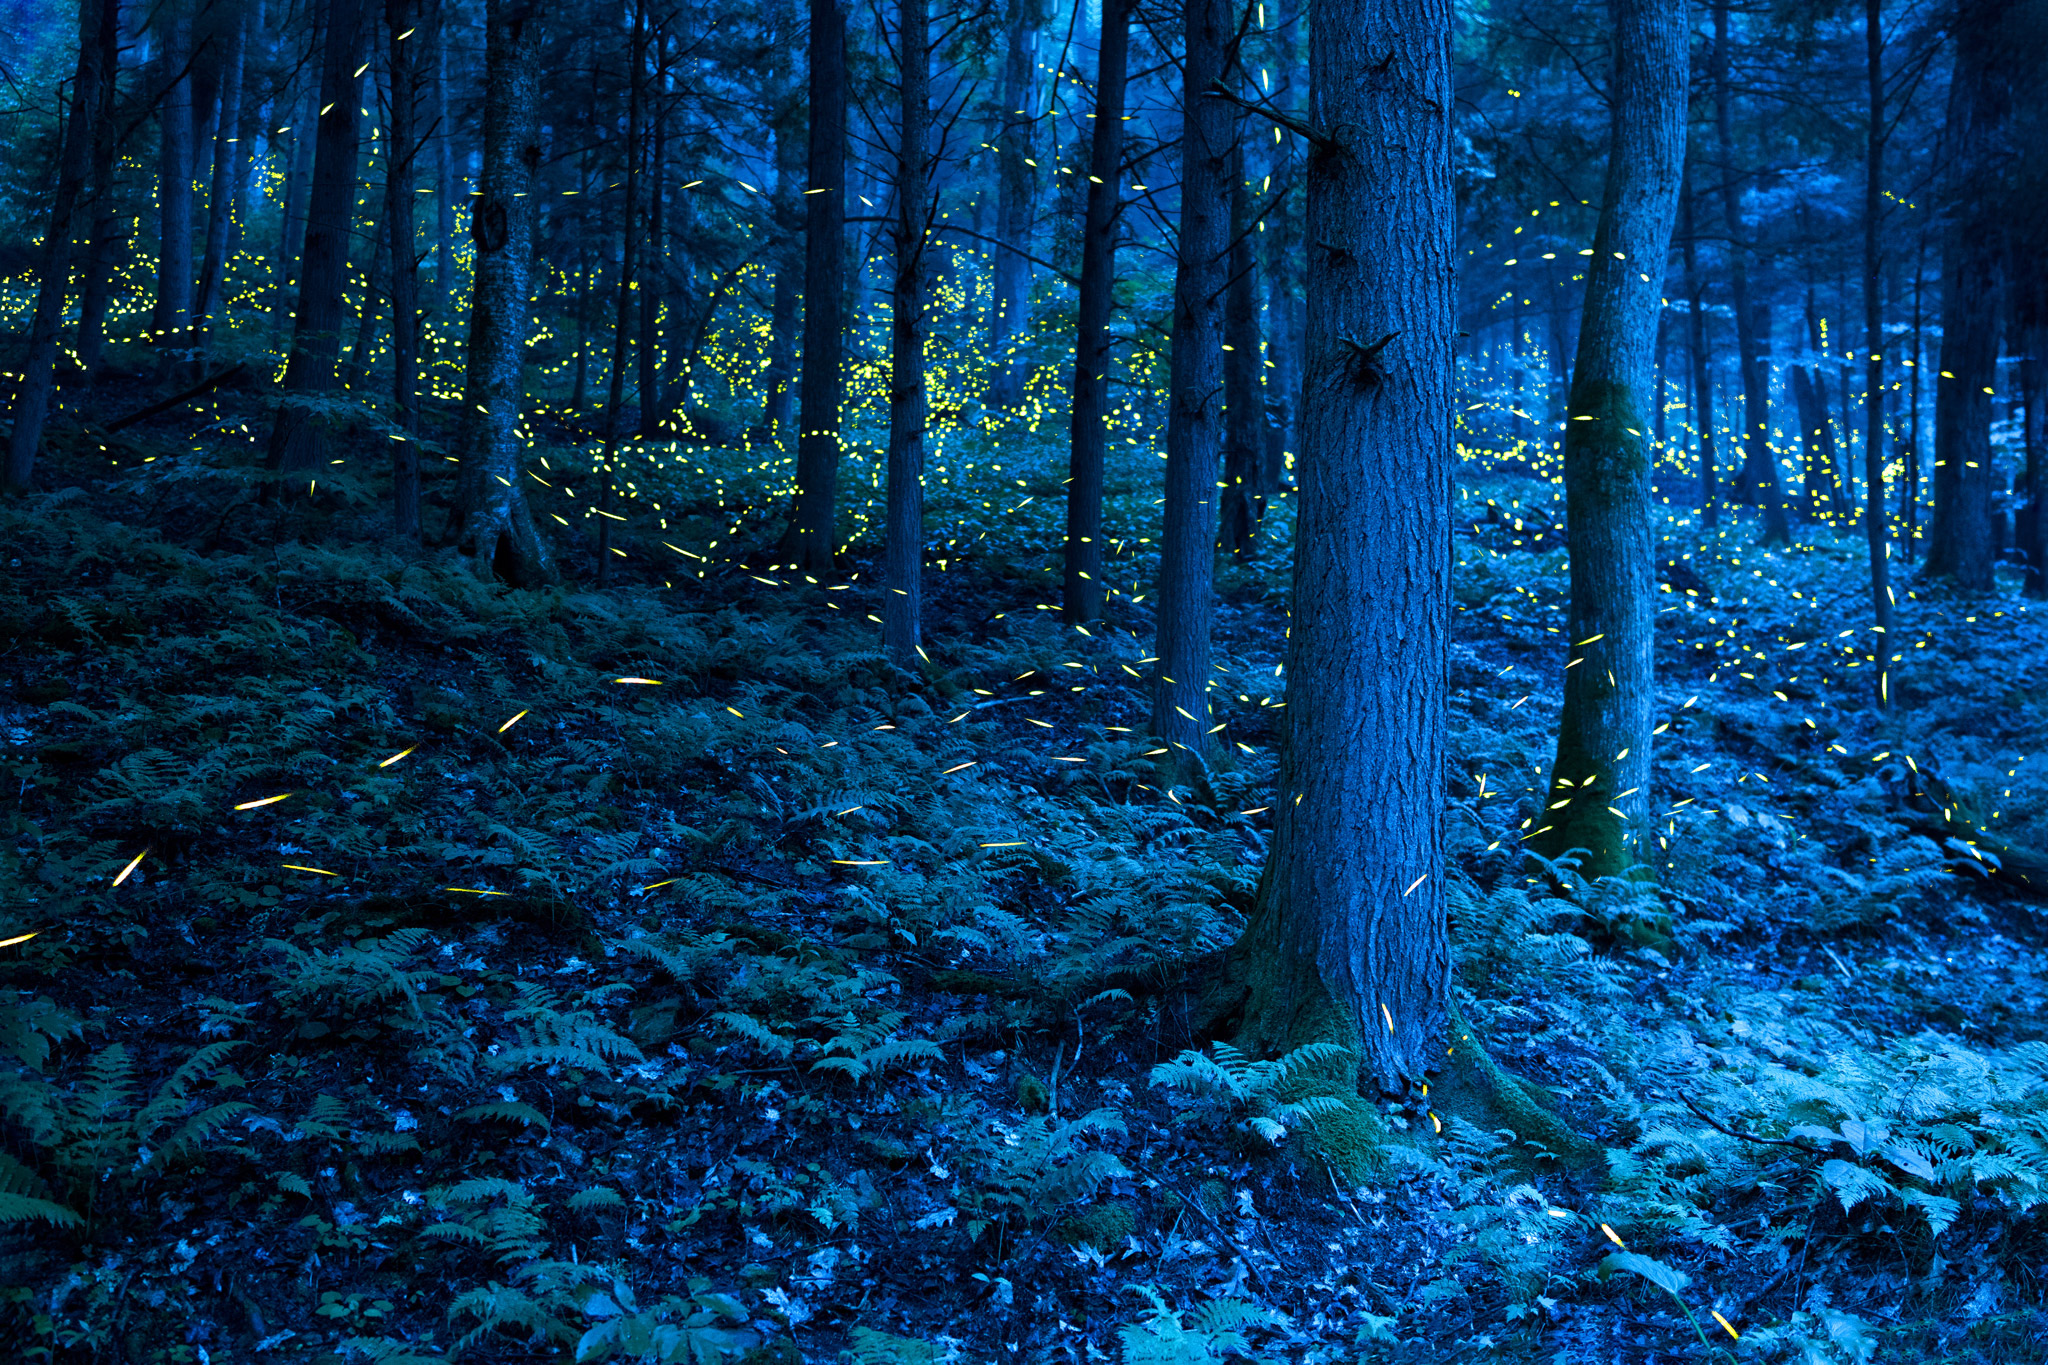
295,436
401,18
494,527
903,510
1756,476
807,543
1083,588
32,398
1194,421
1599,785
1348,941
1960,542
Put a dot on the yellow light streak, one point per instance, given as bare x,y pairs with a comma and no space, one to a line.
133,863
263,801
514,721
296,867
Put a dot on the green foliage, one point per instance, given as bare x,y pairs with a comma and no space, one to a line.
1248,1092
1212,1333
1030,1173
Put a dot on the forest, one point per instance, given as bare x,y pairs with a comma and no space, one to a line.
1152,681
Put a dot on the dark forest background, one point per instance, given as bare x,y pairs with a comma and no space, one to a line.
868,682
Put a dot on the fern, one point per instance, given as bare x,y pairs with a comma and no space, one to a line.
1210,1335
1249,1090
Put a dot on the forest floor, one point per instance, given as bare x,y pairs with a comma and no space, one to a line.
424,967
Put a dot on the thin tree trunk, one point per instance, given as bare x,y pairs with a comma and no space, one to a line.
1277,242
586,254
1702,376
1016,196
653,279
808,541
375,285
1599,785
171,318
1083,587
1187,551
295,437
1960,541
444,161
107,236
230,163
298,180
494,526
2030,337
1909,532
401,18
1756,476
1243,411
32,398
786,121
903,512
1348,940
629,262
1873,337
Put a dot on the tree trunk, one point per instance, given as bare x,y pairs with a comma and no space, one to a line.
295,437
1243,411
1277,242
903,549
1873,338
654,279
1702,374
298,179
1348,941
107,236
32,399
1016,196
230,173
376,274
494,526
1960,545
1599,786
786,121
808,542
629,263
401,18
2030,336
444,160
1756,476
1083,588
586,255
1187,551
172,316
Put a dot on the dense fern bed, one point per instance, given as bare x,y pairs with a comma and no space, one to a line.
425,968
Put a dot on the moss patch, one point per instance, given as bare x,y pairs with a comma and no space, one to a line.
1474,1087
1101,1226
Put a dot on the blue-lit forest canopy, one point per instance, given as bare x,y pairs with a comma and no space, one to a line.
1032,680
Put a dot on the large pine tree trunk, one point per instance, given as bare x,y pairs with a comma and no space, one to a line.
807,543
230,173
32,398
1083,588
295,437
172,316
1599,785
495,527
903,550
1348,942
1960,540
1244,415
1016,195
401,18
1194,421
1277,248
